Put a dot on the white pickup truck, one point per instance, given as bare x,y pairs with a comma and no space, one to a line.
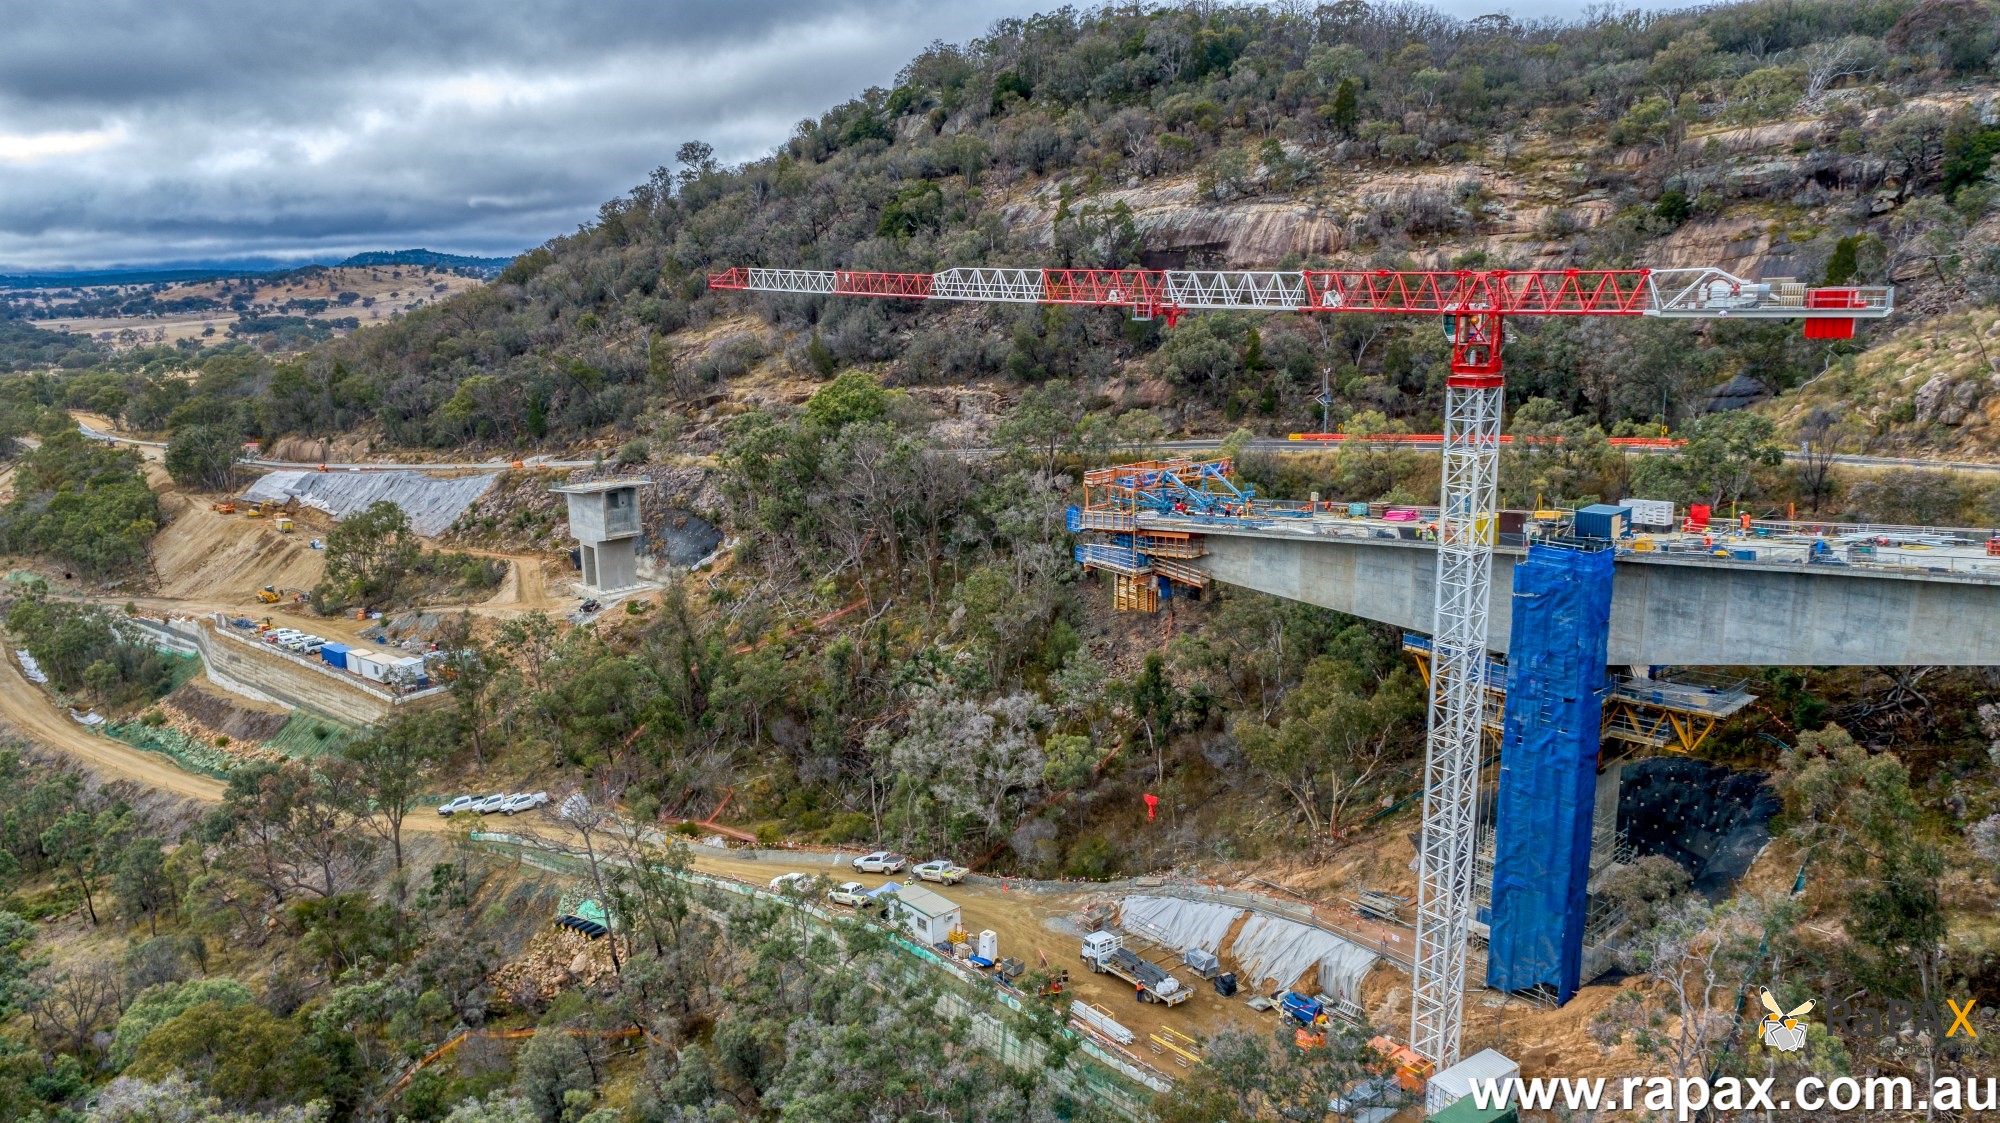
940,871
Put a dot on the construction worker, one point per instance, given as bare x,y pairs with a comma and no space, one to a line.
1139,991
1746,524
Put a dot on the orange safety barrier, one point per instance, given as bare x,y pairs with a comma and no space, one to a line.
1438,438
396,1089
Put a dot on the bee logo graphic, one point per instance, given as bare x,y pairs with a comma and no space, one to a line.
1784,1030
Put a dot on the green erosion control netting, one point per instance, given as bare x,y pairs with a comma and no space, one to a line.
1548,768
181,668
172,743
307,735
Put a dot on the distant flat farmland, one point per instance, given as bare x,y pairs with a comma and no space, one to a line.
209,310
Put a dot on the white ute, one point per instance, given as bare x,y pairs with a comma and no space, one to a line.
940,871
881,861
526,801
462,803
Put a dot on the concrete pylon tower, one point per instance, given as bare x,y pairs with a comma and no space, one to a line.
604,520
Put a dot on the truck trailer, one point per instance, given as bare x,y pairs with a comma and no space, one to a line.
1106,953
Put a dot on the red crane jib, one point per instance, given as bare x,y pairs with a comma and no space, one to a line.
1566,292
1478,300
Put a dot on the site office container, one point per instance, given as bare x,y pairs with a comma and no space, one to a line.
335,655
367,664
930,917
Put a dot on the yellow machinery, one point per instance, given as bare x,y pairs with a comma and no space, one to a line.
1676,713
256,511
268,595
284,524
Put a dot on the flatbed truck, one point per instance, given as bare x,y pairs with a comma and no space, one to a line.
1106,954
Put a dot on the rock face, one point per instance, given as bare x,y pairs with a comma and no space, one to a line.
1173,219
1948,401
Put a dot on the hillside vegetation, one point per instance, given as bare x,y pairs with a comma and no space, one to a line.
898,650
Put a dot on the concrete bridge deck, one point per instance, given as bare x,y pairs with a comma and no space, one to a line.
1666,609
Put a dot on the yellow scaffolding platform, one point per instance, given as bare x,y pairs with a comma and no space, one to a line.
1676,714
1134,594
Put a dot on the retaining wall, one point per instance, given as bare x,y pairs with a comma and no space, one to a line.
257,670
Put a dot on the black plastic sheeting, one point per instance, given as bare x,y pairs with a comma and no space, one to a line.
1548,769
1710,820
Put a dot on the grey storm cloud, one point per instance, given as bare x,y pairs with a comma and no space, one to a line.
207,130
142,131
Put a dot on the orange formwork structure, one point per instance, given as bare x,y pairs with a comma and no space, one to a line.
1147,563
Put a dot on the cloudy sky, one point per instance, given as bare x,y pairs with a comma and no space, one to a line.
140,132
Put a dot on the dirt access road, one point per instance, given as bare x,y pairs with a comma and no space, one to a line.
29,709
1027,919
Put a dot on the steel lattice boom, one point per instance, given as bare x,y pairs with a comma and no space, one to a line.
1694,293
1478,302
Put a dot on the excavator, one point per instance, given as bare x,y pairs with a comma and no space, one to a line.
227,507
256,511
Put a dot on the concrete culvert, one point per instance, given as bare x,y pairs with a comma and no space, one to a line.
1710,820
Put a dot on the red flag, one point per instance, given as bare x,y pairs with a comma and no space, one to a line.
1152,803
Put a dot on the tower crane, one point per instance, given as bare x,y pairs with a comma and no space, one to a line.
1475,305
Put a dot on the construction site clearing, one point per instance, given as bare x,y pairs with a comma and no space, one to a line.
1247,957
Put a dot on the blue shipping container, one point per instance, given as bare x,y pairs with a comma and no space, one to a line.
1602,520
335,655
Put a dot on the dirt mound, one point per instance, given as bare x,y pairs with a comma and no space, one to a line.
555,960
214,558
213,712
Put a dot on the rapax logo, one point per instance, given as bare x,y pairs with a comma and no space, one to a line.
1783,1030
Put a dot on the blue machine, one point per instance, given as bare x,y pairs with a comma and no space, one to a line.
1300,1008
1548,768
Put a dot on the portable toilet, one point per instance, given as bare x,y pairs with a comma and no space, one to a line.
989,945
335,655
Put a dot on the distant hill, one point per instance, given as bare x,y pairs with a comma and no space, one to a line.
484,266
194,273
95,277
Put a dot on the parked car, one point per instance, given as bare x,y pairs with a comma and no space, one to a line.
853,894
491,804
525,801
453,807
795,882
881,861
941,871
